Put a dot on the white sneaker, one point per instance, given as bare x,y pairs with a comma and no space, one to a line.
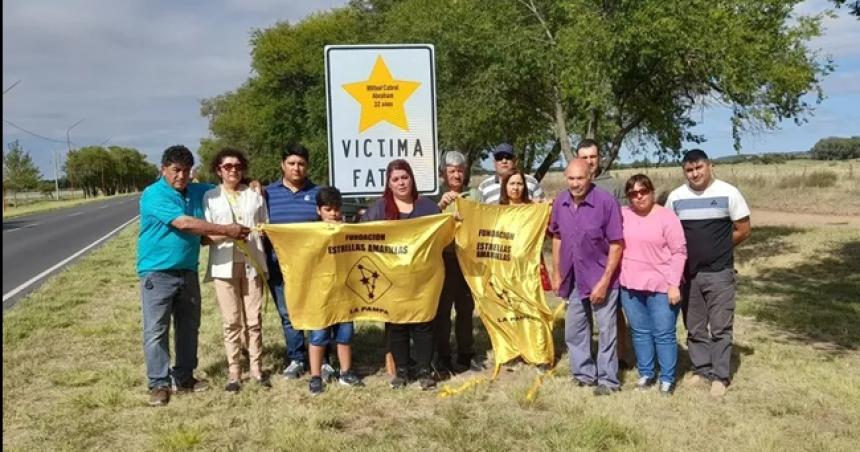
328,373
645,383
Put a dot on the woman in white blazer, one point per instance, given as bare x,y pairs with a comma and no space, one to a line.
238,285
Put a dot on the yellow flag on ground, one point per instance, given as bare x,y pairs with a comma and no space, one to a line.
499,249
388,271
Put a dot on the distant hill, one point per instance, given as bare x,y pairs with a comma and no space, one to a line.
739,158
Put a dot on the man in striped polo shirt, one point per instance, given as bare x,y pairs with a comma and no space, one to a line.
506,163
290,200
715,218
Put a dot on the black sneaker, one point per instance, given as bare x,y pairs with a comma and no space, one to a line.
427,383
233,387
400,380
263,383
426,380
645,383
602,390
315,386
159,396
192,385
584,384
349,378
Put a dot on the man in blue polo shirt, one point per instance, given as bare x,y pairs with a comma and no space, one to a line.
168,248
290,200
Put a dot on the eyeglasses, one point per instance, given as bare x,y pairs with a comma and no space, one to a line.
232,167
501,157
638,193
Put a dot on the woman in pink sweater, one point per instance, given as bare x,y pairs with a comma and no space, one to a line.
651,270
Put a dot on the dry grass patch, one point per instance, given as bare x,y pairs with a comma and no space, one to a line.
808,186
73,376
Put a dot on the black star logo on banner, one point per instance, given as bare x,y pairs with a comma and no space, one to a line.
367,281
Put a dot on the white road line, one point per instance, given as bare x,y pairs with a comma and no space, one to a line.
65,261
74,214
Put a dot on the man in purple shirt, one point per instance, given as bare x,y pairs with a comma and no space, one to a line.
586,250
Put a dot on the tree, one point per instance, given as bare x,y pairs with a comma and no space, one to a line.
19,171
834,148
109,171
541,73
853,6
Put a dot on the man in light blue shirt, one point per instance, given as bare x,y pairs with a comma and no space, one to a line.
168,248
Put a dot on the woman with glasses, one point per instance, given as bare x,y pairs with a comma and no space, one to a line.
237,279
651,269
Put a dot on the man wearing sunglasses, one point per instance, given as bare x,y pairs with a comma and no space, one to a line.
716,219
506,163
168,249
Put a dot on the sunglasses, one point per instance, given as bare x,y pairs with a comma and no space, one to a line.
501,157
638,193
232,167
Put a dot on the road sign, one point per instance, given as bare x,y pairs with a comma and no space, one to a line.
381,103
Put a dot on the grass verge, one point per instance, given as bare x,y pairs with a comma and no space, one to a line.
73,376
45,206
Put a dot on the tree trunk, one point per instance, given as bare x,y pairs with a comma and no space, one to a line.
550,158
561,127
591,133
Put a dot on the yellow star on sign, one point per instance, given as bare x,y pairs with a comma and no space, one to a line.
381,97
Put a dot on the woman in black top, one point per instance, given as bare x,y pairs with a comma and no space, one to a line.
401,201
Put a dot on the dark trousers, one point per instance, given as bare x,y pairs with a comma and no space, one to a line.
421,337
709,311
456,293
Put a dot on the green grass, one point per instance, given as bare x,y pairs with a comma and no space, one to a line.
73,376
45,206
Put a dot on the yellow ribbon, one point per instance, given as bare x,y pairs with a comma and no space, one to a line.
243,247
448,391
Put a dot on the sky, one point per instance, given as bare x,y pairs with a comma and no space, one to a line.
135,72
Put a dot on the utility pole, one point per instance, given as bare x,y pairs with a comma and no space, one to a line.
69,143
56,176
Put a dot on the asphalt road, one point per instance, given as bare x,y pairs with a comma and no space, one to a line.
34,245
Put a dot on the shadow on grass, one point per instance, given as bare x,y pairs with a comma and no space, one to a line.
739,351
817,301
766,241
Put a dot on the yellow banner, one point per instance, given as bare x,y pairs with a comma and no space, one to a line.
499,249
387,271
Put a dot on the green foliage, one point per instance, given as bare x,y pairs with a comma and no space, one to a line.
834,148
538,73
109,170
19,171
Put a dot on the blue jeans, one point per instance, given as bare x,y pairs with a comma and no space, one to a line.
162,294
577,335
341,333
294,339
652,327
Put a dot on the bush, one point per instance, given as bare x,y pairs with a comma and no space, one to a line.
815,179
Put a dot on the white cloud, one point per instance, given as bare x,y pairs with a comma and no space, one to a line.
136,70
